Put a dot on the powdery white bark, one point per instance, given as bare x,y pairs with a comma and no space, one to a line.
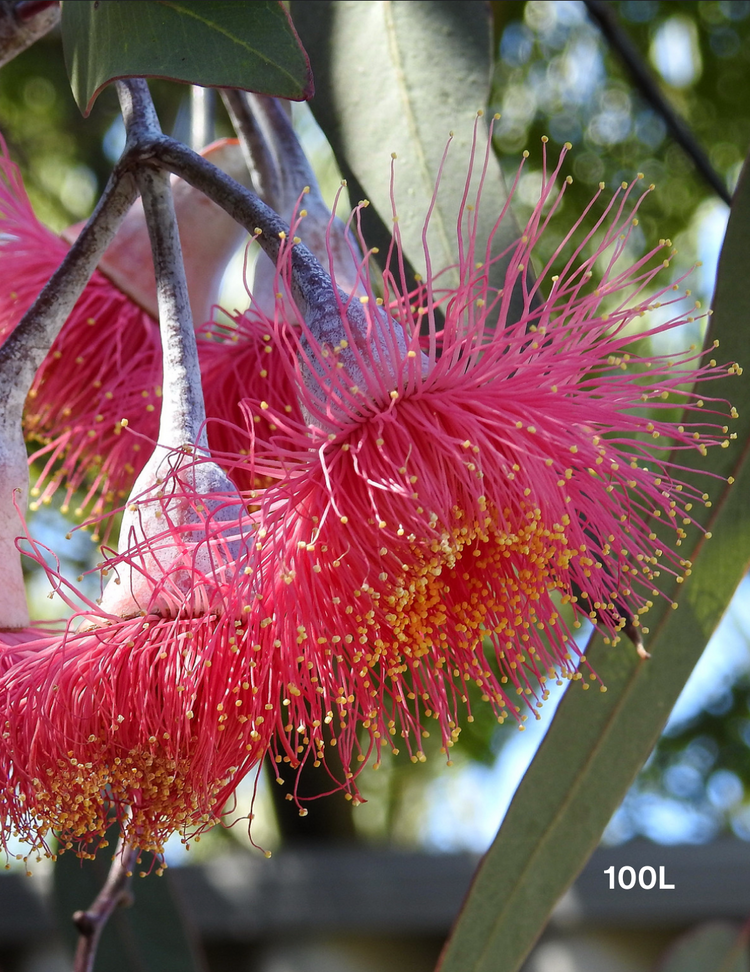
169,530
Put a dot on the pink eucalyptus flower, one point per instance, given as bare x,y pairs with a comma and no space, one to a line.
105,365
152,704
444,495
113,714
451,492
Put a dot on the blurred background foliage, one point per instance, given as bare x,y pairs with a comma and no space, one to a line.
555,75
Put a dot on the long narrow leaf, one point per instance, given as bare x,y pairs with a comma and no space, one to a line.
597,742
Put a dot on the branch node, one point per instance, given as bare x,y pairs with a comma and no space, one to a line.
84,923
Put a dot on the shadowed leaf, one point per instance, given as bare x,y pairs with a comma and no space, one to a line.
227,44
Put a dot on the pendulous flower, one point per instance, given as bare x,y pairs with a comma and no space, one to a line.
146,707
135,709
463,476
448,485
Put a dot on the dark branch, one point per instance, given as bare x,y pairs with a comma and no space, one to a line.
26,348
23,23
116,892
604,17
309,278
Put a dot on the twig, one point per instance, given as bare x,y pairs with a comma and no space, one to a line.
145,145
183,414
311,286
138,112
273,154
23,23
28,345
281,172
259,159
242,205
116,892
20,357
292,165
310,282
603,16
159,494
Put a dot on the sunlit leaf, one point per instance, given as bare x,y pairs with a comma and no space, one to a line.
598,742
398,78
217,43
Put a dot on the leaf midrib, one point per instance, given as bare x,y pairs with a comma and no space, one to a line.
212,25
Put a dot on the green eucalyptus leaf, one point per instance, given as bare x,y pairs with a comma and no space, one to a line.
713,947
399,77
222,44
597,742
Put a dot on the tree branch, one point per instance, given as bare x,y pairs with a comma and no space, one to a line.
23,23
259,158
281,172
292,165
116,891
26,348
183,414
604,17
310,281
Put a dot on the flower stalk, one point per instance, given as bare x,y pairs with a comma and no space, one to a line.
259,157
179,476
183,415
285,180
